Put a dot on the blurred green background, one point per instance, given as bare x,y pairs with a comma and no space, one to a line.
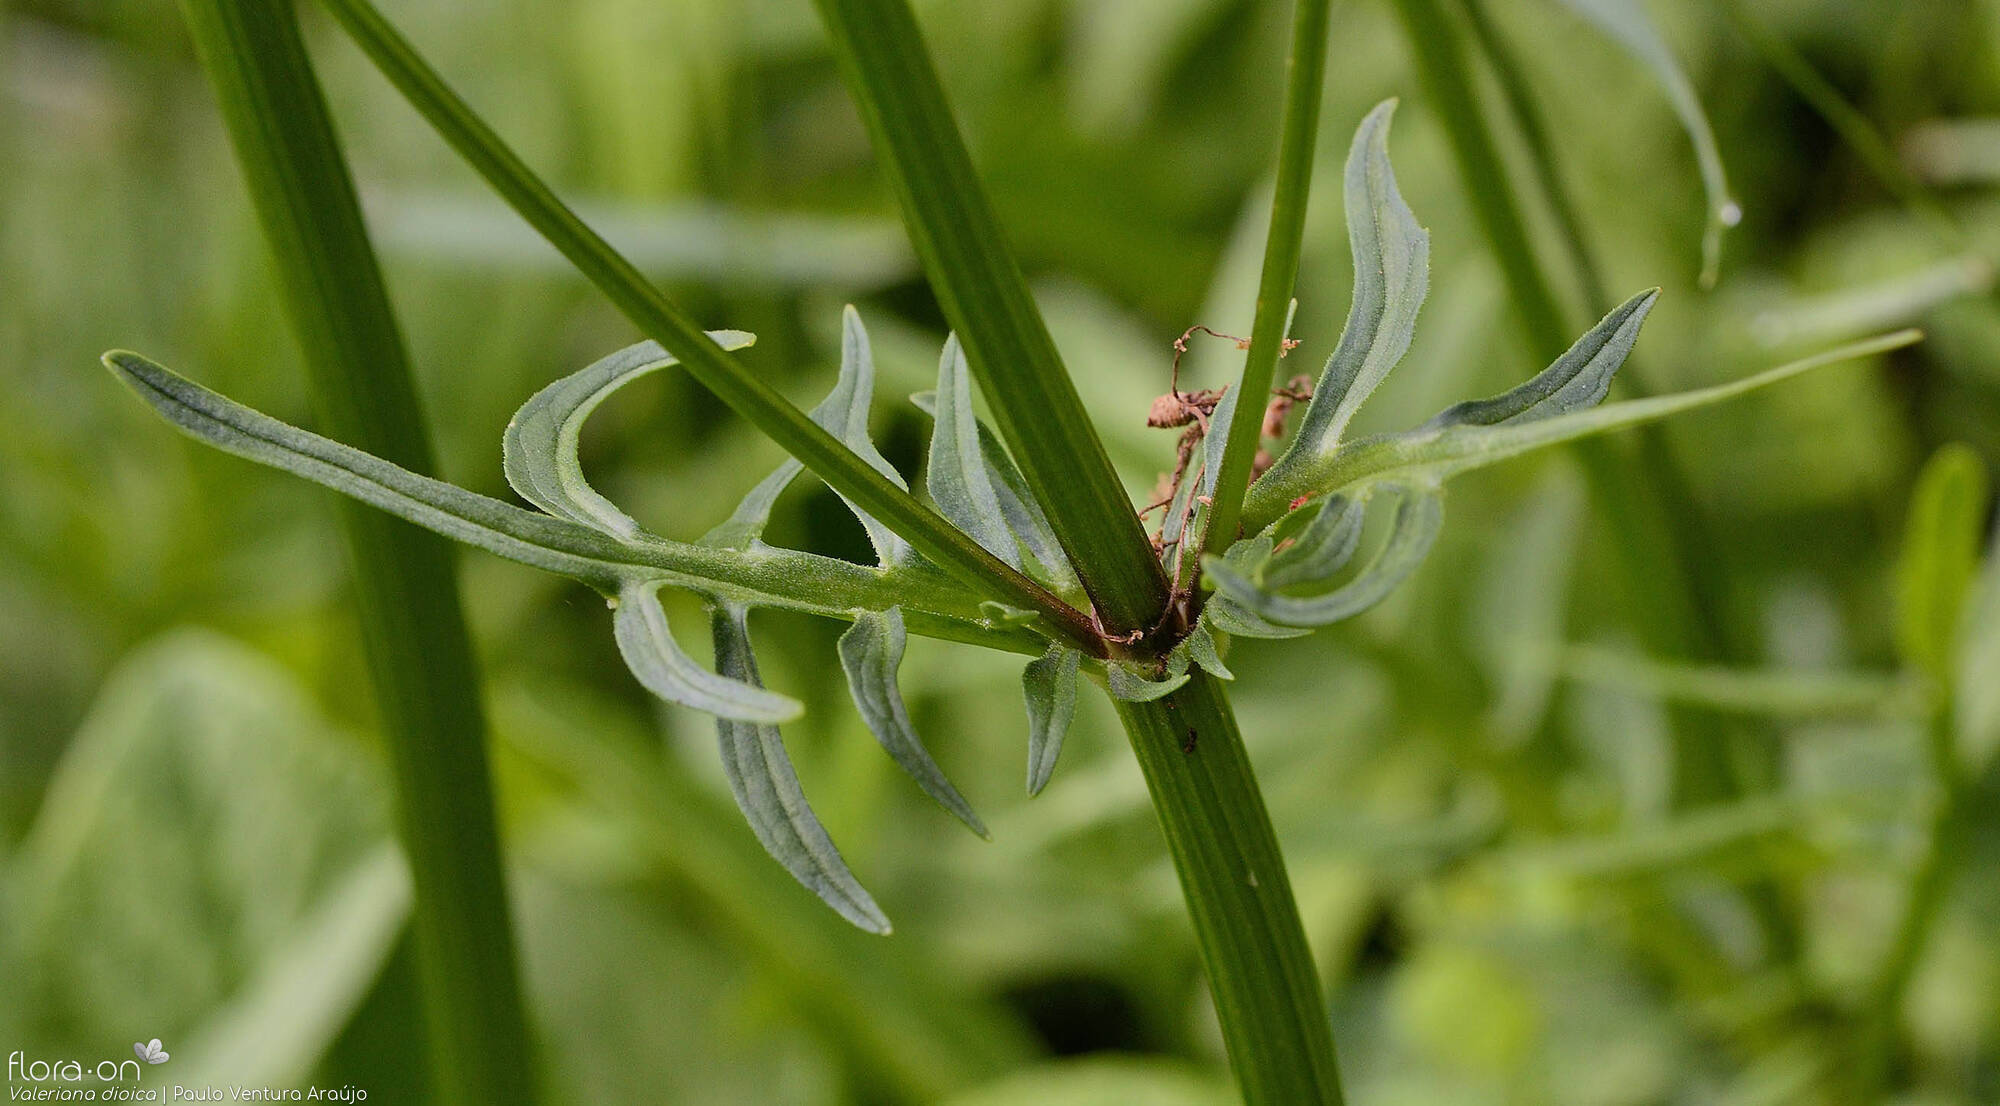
1473,783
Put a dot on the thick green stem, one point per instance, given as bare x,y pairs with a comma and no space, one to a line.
658,318
1305,71
420,659
1267,994
985,298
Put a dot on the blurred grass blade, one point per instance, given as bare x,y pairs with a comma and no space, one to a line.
871,651
768,792
956,476
987,304
1419,514
660,319
1432,456
1626,23
1579,379
539,448
275,1030
660,666
1048,684
1978,707
1298,126
1391,276
1775,692
1132,683
1940,555
422,670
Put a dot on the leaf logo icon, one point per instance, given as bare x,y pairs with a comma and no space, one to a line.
150,1051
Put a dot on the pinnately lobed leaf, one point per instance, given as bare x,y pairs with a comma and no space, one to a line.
767,790
1017,504
871,651
1135,684
1048,684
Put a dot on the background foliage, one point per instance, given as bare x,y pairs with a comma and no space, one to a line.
1473,782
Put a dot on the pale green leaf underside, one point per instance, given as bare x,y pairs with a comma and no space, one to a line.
1419,515
956,477
1018,506
1626,23
539,448
1391,277
871,651
844,414
1430,456
1133,684
660,666
767,790
1578,379
1048,684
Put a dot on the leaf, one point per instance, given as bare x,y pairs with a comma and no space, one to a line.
844,414
1323,548
1017,504
1229,616
658,663
767,790
797,580
1419,513
1201,648
1134,684
539,448
1940,555
1431,456
1626,23
957,477
1577,380
1391,277
871,651
1978,705
1048,684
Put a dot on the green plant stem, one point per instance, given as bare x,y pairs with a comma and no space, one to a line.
1305,71
420,658
1541,154
660,319
1246,923
985,298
